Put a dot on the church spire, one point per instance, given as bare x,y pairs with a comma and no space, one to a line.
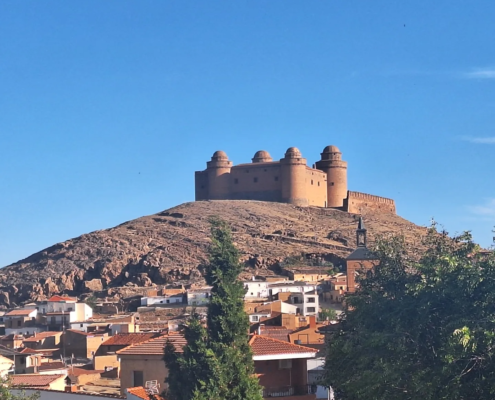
361,234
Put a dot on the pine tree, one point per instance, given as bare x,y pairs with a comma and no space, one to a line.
217,362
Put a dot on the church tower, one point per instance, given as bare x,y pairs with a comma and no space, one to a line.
331,163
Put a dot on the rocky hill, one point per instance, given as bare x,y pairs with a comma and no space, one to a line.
171,246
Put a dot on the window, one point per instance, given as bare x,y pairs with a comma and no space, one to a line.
311,181
311,299
254,318
331,183
80,325
69,309
247,171
276,179
236,181
18,323
168,301
310,309
255,180
137,378
318,183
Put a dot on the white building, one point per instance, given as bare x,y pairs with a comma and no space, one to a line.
64,311
199,297
307,303
157,300
256,316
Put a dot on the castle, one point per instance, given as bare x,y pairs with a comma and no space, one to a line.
289,180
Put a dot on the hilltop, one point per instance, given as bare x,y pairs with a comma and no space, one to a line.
171,246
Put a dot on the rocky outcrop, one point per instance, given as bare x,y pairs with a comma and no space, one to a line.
171,246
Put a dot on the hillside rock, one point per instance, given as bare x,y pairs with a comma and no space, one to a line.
171,246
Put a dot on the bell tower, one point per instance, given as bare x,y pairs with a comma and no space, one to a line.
361,236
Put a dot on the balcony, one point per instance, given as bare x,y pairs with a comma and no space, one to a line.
302,392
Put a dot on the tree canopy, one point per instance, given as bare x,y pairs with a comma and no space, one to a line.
217,361
420,326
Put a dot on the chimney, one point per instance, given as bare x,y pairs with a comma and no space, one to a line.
34,333
312,321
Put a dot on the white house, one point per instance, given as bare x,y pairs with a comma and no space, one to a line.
159,300
256,317
22,321
199,297
290,286
306,303
63,311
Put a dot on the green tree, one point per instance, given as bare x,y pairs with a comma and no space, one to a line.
419,329
6,392
217,361
328,313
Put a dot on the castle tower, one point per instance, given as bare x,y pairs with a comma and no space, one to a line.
219,176
262,156
293,174
336,170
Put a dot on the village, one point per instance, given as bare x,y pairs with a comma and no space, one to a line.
63,347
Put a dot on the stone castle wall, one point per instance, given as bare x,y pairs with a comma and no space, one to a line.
357,203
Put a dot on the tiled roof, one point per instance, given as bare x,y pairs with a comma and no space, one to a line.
41,336
126,339
27,350
155,346
62,298
141,392
19,313
265,346
276,332
34,380
74,371
51,365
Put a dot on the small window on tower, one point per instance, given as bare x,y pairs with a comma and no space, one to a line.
236,181
318,183
255,180
311,181
331,184
276,178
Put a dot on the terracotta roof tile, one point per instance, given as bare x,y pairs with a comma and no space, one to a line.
41,336
141,392
155,346
74,371
126,339
14,313
62,298
51,365
34,380
265,346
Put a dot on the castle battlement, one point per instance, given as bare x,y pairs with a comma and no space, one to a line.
288,180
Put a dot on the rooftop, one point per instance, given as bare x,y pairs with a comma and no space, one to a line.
63,299
41,336
20,313
265,348
141,392
51,365
34,380
126,339
154,346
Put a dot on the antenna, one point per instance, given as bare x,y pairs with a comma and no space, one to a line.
152,387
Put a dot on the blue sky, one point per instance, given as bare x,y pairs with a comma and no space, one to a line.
108,108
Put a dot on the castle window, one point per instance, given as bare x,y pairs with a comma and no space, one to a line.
311,181
255,180
331,184
265,170
236,181
247,171
276,178
202,186
318,183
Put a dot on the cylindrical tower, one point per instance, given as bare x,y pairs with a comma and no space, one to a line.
293,174
336,170
219,176
261,156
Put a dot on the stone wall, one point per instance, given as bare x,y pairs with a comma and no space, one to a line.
359,203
